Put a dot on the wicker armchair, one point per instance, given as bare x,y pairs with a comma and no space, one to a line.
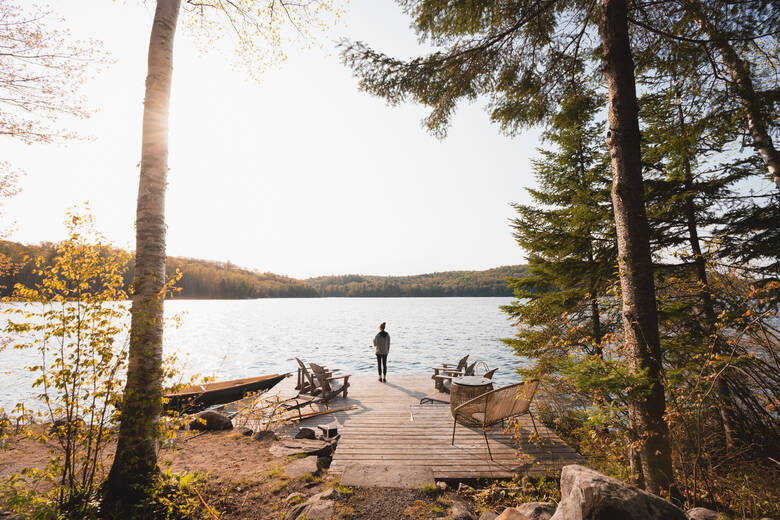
495,406
489,373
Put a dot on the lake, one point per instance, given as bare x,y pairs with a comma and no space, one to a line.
230,339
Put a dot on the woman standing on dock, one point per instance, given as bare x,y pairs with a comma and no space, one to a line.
382,344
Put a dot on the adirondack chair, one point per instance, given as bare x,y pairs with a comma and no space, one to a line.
460,366
495,406
307,383
329,391
489,373
446,371
445,379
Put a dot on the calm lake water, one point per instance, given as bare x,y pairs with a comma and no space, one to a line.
229,339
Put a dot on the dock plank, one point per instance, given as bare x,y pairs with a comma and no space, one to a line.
390,429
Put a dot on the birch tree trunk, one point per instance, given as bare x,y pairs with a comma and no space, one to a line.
739,71
640,316
135,462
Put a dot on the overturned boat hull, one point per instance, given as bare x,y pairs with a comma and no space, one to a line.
194,398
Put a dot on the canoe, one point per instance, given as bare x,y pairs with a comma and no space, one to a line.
193,398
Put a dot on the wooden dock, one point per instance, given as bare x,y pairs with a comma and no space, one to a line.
389,428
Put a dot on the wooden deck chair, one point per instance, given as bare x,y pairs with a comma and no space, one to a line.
446,371
495,406
329,391
307,383
460,366
489,373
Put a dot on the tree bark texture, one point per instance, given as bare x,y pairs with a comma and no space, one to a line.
135,462
640,316
739,70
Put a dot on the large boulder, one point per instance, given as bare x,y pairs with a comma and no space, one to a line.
588,495
488,515
537,510
702,513
211,421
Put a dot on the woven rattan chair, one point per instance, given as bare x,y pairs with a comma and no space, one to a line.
496,406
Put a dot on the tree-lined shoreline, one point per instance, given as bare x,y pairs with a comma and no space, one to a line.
204,279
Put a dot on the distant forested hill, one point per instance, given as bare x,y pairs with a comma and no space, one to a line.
219,280
451,283
200,278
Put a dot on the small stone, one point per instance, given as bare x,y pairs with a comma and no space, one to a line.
328,494
702,513
488,515
537,510
511,513
295,511
264,435
59,427
211,421
246,432
441,485
306,433
460,509
300,467
320,510
295,497
324,462
464,487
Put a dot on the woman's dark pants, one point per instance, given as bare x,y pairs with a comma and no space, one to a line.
381,364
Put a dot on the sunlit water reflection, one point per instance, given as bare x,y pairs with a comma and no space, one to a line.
240,338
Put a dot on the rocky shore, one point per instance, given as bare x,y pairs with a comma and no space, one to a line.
284,475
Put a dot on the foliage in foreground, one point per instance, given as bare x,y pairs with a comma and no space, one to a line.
173,496
75,320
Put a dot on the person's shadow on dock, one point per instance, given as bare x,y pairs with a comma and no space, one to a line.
411,393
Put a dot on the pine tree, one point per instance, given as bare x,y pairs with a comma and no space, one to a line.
568,233
524,55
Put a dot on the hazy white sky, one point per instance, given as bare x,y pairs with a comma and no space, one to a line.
300,174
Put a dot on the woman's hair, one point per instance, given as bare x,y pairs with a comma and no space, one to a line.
382,326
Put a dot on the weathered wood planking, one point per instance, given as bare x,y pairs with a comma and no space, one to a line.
390,428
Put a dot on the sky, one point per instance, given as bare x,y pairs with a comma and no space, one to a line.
299,173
